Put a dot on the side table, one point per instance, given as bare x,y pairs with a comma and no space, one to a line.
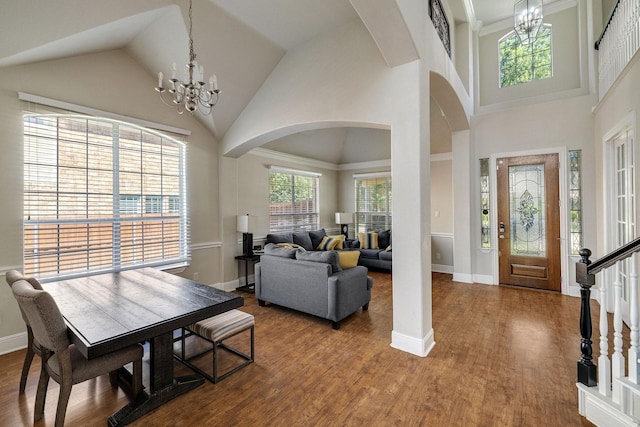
247,287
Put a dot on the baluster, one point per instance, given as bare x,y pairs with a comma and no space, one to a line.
634,336
604,373
587,371
617,361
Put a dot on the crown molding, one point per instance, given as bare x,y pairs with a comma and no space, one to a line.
271,154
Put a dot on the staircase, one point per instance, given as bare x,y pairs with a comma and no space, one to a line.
610,394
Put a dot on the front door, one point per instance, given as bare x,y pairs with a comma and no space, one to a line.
529,221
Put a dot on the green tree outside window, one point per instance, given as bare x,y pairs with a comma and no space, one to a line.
521,63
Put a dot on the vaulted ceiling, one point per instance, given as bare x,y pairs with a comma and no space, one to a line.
241,41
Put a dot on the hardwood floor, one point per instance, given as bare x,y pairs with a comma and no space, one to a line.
503,357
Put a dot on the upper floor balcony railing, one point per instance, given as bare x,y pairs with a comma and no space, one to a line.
620,40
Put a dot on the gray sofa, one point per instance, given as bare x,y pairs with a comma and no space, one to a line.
311,282
376,258
380,259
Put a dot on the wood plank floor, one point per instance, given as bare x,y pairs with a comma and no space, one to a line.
503,357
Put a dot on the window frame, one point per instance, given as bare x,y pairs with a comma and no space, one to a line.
100,229
546,28
299,220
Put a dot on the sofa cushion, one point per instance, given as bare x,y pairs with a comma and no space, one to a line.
384,239
273,249
280,238
385,256
327,257
328,243
368,240
303,240
348,259
369,253
340,238
316,237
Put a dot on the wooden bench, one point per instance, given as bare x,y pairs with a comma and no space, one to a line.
216,330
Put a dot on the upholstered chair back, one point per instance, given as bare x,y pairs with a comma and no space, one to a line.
13,276
44,317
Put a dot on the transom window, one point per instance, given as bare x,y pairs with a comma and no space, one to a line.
293,200
521,63
101,195
373,202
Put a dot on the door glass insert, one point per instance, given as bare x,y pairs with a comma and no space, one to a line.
527,210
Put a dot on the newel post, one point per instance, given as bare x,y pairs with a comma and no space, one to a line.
587,371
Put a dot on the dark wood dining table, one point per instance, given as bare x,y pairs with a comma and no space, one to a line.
107,312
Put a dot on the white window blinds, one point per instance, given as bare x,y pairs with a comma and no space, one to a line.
101,195
373,202
293,200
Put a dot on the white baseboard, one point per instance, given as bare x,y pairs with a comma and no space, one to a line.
442,268
419,347
232,285
483,279
11,343
462,277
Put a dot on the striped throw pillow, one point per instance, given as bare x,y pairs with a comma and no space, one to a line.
368,240
328,244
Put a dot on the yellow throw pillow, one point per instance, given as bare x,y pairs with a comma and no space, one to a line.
348,259
340,239
327,244
368,240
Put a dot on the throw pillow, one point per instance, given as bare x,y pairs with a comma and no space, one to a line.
328,257
303,240
273,249
340,239
388,249
348,259
368,240
328,244
316,237
384,238
290,246
280,238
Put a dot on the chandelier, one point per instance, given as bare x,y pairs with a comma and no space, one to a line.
527,19
191,94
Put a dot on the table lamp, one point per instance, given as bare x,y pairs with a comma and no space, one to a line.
244,225
344,219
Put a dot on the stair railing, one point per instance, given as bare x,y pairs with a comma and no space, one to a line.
610,377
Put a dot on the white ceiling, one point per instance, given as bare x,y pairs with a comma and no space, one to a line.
239,40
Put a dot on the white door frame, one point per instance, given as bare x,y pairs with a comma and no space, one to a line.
609,229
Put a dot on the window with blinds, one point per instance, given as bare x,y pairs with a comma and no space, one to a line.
373,202
293,201
101,195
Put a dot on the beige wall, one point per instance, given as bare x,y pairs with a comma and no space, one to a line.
109,81
441,197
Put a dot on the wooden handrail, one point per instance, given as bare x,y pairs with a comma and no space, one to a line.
604,30
614,256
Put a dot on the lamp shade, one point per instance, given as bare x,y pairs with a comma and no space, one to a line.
344,218
245,223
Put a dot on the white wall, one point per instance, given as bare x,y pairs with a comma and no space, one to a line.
561,124
566,62
109,81
621,105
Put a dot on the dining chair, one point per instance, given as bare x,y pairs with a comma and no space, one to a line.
62,361
33,347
